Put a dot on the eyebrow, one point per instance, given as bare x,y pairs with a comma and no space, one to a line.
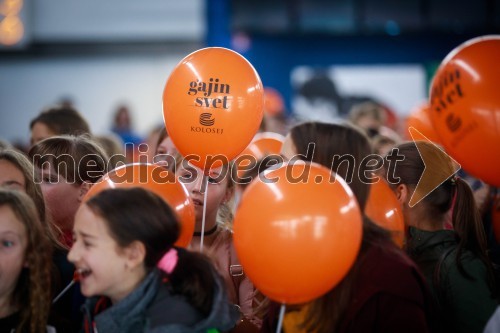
214,174
8,232
84,235
12,182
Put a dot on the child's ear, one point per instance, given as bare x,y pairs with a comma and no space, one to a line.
402,193
84,188
135,253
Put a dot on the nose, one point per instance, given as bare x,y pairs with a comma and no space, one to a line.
73,254
199,183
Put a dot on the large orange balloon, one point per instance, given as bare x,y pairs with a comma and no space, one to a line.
384,209
419,118
213,105
465,106
158,180
297,239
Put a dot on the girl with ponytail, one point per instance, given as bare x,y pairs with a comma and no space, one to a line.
454,262
121,237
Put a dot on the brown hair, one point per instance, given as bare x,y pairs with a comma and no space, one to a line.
162,135
136,214
33,289
325,313
62,120
335,139
76,158
33,190
466,218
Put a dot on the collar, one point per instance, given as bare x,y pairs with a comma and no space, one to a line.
123,313
207,232
420,240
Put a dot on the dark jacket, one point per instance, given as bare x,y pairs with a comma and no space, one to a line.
465,304
153,308
388,296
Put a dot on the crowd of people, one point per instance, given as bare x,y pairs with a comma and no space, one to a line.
110,264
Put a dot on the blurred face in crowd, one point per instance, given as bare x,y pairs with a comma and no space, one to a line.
217,186
62,198
11,177
39,132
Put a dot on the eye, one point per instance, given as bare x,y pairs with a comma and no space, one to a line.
7,243
186,176
50,179
213,180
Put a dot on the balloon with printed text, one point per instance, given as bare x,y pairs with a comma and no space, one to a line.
297,234
465,106
212,106
158,180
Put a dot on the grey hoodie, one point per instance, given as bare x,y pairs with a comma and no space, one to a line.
152,308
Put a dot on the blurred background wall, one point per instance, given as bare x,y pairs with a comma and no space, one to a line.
102,54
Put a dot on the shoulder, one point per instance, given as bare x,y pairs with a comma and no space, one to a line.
389,284
170,309
387,269
473,266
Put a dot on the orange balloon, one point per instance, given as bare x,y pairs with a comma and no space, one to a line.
419,118
384,209
295,237
273,102
158,180
213,105
465,106
263,144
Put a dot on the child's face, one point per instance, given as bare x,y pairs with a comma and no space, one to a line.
62,199
39,132
11,177
13,243
166,147
192,178
100,262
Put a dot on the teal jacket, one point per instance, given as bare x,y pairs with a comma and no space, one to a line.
465,304
152,308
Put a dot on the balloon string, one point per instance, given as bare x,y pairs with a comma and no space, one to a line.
280,319
204,184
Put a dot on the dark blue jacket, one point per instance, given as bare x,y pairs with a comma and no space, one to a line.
153,308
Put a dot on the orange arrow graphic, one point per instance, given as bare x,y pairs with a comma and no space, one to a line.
438,166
